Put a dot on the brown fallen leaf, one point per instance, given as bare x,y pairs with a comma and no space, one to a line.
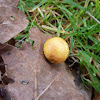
9,3
34,77
12,21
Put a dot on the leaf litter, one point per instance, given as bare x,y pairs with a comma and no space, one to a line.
34,77
12,21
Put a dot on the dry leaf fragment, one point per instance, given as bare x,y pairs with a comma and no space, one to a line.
9,3
12,21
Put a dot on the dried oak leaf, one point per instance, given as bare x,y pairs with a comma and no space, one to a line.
34,77
12,21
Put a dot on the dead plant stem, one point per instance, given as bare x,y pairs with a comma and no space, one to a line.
93,17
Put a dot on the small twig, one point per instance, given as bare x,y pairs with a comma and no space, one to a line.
49,85
93,17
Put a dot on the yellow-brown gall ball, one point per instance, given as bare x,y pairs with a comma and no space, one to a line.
56,50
